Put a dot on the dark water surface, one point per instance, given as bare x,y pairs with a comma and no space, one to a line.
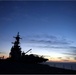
66,65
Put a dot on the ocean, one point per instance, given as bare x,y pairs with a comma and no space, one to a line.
66,65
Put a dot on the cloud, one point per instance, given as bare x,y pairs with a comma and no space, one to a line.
65,60
71,51
53,42
74,58
47,39
67,57
59,57
71,54
55,47
42,36
72,47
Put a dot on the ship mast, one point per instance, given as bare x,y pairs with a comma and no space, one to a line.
17,42
16,49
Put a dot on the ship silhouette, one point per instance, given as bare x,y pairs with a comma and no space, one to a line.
18,56
20,62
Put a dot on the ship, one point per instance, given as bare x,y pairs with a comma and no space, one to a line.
20,56
20,62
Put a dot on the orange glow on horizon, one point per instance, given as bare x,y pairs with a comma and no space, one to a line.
61,60
50,59
55,59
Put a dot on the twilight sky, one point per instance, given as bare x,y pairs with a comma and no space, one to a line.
46,27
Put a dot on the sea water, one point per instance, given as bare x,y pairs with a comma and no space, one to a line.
65,65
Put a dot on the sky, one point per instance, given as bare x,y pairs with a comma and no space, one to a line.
46,27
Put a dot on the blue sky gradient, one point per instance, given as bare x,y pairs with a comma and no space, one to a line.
48,27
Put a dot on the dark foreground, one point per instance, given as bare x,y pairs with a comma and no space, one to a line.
22,68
